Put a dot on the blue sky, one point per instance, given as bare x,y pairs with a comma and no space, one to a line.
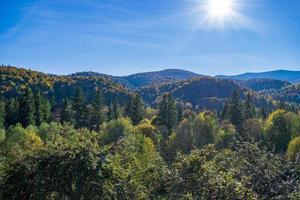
127,36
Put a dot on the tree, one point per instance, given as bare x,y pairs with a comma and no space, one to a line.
138,167
249,108
113,110
116,129
26,108
137,111
280,127
39,111
253,130
180,109
129,106
2,114
46,110
263,113
67,111
293,151
97,112
225,112
167,115
12,114
60,172
79,109
235,109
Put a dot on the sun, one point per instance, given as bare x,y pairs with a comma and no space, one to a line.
220,9
221,14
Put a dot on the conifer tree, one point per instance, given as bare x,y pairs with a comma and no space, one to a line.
167,112
38,104
225,112
137,110
2,114
27,110
129,106
249,108
79,109
97,115
172,113
46,110
113,110
179,112
235,109
11,108
263,113
67,111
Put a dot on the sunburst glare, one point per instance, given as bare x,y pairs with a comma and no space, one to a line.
220,14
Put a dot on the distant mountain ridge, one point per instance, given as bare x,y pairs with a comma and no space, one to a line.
142,79
283,75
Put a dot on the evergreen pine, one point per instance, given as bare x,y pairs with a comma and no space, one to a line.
79,109
27,110
113,110
264,113
12,107
179,113
46,110
137,110
38,106
97,115
167,112
129,106
67,111
2,114
235,109
249,108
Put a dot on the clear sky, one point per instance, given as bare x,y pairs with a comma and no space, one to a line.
127,36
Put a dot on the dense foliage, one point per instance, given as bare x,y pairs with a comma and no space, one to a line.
88,148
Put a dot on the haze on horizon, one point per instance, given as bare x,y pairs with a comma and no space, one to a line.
121,37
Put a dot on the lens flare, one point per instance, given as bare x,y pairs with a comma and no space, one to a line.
220,8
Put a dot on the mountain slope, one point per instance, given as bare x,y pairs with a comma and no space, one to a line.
285,75
202,93
14,80
263,84
139,80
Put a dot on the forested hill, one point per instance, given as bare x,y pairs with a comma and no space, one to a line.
91,149
285,75
13,82
263,84
139,80
202,93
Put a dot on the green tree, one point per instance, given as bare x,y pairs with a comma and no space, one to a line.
26,109
46,110
79,108
116,129
97,112
225,112
249,108
39,110
113,110
2,114
280,127
293,151
133,162
67,111
236,109
167,115
137,111
129,106
253,130
60,172
12,114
